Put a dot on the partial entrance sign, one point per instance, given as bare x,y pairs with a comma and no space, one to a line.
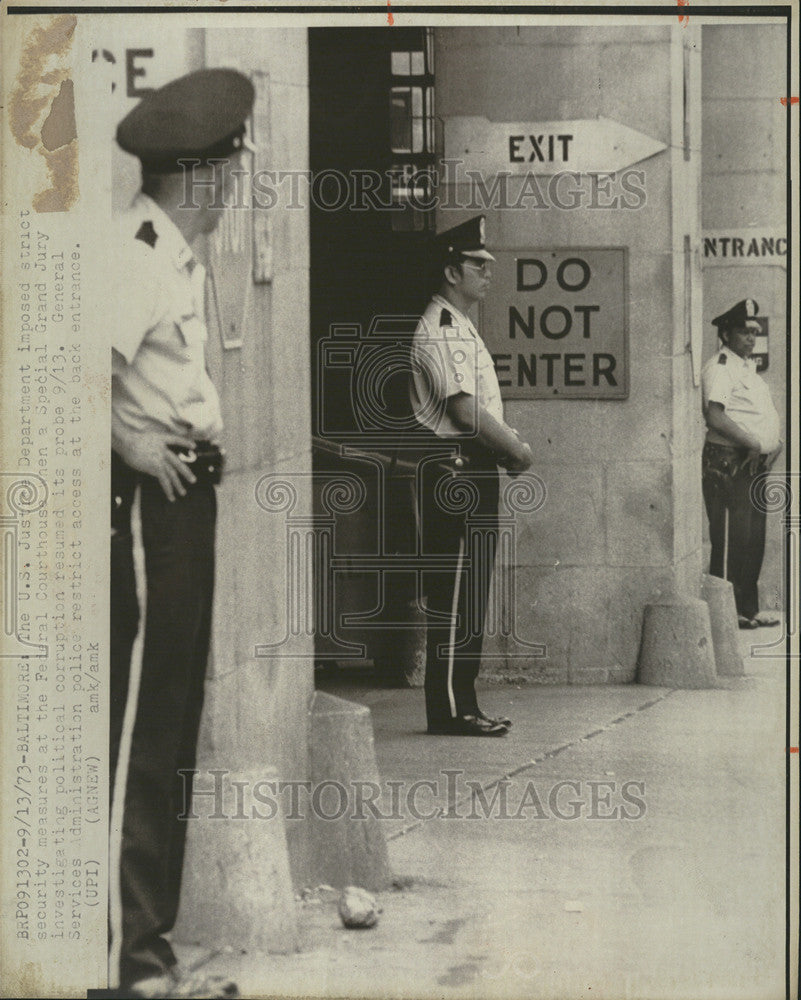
748,245
589,145
556,323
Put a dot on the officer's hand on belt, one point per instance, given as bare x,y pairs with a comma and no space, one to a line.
752,461
149,452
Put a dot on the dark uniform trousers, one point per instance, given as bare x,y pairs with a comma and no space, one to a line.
727,490
178,541
458,520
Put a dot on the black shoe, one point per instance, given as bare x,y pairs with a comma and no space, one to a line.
202,987
151,987
466,725
767,621
176,983
494,721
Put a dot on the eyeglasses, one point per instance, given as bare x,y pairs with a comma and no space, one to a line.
483,267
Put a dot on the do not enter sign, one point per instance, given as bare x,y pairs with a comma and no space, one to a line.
556,323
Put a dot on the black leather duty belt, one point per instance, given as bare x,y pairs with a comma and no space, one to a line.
205,460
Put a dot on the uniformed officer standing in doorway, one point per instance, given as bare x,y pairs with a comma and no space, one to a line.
742,442
455,396
166,428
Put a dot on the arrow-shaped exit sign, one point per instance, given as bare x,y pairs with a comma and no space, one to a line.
589,145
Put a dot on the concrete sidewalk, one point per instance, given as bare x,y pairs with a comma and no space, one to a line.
647,858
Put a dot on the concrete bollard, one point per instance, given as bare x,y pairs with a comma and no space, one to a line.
348,842
677,649
719,596
237,888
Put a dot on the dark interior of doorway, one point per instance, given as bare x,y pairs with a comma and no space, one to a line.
367,261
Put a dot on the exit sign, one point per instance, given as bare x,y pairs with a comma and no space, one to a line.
590,145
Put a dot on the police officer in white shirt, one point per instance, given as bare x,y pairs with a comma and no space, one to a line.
455,398
742,442
165,432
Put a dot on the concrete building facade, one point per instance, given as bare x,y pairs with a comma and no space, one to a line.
622,516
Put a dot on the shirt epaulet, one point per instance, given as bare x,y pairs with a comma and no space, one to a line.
147,234
721,358
445,318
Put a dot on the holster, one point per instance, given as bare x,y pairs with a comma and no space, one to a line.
723,462
205,460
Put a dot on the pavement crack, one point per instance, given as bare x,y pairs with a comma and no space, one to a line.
452,807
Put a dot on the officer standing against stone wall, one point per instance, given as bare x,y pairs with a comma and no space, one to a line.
742,443
166,427
456,399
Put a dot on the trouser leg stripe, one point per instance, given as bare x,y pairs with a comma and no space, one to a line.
452,639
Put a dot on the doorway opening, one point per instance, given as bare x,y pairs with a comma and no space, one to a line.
372,151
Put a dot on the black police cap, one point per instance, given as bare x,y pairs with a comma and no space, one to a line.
740,315
198,116
466,239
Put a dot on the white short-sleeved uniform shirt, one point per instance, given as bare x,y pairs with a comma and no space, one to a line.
449,357
733,382
158,329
